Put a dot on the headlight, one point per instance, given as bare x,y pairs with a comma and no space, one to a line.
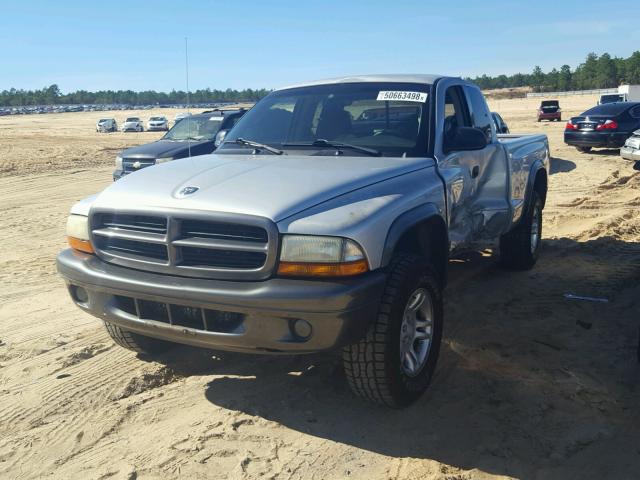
118,162
78,233
163,160
313,256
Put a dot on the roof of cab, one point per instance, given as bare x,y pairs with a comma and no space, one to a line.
399,78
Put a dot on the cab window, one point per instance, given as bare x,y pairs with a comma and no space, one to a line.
480,116
455,111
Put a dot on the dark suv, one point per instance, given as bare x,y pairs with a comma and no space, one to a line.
550,110
194,135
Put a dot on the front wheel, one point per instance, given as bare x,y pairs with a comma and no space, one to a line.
136,342
519,247
393,364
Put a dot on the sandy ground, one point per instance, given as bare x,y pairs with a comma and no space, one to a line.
529,385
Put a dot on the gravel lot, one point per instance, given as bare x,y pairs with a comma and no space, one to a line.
530,385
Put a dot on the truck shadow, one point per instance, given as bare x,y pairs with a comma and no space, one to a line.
560,165
530,384
605,151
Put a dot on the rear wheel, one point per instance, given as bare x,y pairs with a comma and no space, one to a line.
393,364
519,247
136,342
584,149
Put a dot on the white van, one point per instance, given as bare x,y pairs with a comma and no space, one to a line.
626,93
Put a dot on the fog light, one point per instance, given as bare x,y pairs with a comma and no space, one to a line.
79,294
302,329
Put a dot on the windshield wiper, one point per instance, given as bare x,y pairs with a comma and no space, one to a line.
259,146
322,143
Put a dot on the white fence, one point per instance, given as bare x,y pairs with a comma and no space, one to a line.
597,91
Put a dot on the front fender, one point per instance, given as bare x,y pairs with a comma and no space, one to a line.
406,222
367,215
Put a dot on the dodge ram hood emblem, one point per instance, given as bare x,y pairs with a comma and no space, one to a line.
187,191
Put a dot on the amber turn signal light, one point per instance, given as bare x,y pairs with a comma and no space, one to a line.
294,269
80,245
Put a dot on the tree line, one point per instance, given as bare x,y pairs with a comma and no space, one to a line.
52,95
602,71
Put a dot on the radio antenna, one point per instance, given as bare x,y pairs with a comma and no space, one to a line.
186,66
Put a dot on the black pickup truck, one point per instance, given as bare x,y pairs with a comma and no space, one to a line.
195,135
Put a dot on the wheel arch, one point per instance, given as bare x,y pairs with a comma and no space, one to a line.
541,184
422,231
538,181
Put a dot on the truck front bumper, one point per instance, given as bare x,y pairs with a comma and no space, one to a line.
272,316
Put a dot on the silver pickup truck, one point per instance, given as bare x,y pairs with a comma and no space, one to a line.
325,220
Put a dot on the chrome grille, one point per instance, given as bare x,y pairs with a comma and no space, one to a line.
187,244
134,164
137,223
223,231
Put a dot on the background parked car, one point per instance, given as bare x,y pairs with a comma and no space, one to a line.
631,148
550,110
196,135
157,123
107,125
133,124
604,126
500,124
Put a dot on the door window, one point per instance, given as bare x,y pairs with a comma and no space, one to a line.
480,115
455,112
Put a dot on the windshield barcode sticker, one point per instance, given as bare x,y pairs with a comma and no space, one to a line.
402,96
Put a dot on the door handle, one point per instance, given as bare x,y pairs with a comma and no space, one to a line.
475,171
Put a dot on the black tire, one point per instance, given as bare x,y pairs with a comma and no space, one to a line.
583,149
136,342
373,366
519,248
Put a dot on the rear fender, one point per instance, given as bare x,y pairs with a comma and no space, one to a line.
537,180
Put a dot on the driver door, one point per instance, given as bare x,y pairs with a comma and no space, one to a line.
462,171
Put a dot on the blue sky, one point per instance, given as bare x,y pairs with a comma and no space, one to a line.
139,45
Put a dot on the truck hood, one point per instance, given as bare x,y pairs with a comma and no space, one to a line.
161,148
270,186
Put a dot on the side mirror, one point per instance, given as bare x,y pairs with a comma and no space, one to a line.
220,137
636,166
465,138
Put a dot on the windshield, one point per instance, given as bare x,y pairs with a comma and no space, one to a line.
387,117
157,119
132,119
195,128
104,120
